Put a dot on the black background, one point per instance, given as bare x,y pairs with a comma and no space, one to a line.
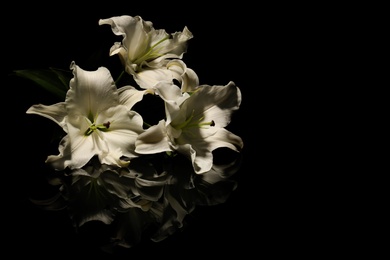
245,45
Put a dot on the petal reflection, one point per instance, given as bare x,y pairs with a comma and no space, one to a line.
154,193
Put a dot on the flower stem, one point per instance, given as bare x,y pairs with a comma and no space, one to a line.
120,76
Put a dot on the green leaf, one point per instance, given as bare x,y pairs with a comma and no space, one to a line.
64,76
54,80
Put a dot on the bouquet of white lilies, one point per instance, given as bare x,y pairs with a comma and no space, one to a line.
137,167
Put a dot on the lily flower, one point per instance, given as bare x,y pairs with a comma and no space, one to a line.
96,119
146,51
194,125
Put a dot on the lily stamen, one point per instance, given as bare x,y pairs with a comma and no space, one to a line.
200,125
103,127
151,53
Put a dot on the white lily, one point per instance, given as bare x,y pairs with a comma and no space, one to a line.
145,51
96,118
195,124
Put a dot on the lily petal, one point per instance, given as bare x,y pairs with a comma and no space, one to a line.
148,78
56,112
90,91
153,140
187,77
129,96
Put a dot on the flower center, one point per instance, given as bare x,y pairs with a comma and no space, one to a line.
152,53
103,127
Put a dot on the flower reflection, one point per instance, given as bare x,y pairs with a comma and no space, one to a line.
154,193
